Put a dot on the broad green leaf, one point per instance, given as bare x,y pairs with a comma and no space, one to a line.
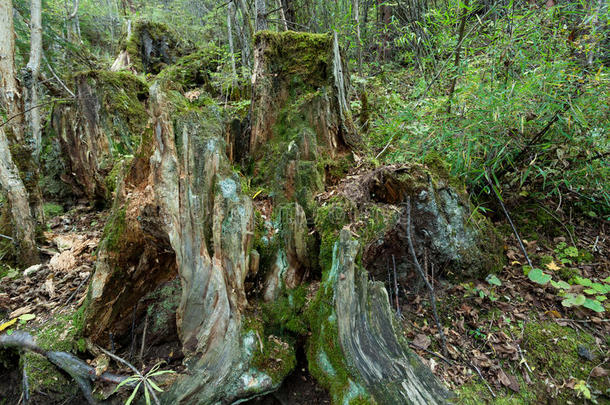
133,394
493,280
562,285
537,276
601,288
27,317
572,300
593,305
601,298
590,291
583,281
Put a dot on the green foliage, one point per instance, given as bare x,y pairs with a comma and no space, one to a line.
285,314
146,381
52,210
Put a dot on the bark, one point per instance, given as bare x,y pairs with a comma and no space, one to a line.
230,36
32,78
261,15
10,100
23,222
104,125
375,351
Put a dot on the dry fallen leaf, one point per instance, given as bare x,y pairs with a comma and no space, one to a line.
422,341
552,266
599,372
21,311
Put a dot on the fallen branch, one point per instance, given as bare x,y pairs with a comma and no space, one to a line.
79,370
443,358
423,276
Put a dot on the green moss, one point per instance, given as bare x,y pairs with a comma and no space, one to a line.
277,357
60,333
329,221
301,57
114,229
165,303
193,71
157,35
52,210
285,314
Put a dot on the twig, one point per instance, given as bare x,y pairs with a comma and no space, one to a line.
77,289
580,320
423,276
58,79
558,220
446,360
395,286
6,237
32,108
510,221
26,385
143,336
482,378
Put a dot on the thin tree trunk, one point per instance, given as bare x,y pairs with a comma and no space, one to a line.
32,84
11,102
282,15
457,53
358,39
231,50
24,229
261,15
10,93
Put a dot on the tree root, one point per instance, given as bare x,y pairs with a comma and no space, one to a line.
80,371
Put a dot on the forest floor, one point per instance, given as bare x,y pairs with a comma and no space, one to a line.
506,338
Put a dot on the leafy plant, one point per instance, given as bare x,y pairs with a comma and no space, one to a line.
145,380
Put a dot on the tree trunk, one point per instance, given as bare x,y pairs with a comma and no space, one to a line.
261,15
181,211
23,223
32,78
231,50
10,99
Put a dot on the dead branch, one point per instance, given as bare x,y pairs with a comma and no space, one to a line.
510,221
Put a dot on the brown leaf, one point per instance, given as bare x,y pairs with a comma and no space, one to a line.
599,372
422,341
508,380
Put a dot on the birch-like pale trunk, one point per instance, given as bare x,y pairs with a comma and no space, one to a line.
358,39
10,101
231,50
23,223
261,15
10,93
32,80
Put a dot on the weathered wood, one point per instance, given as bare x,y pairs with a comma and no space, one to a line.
375,352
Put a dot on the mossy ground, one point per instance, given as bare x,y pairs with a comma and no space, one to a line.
551,351
61,333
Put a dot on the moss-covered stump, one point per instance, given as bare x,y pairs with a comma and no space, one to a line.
299,113
153,46
104,127
355,350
